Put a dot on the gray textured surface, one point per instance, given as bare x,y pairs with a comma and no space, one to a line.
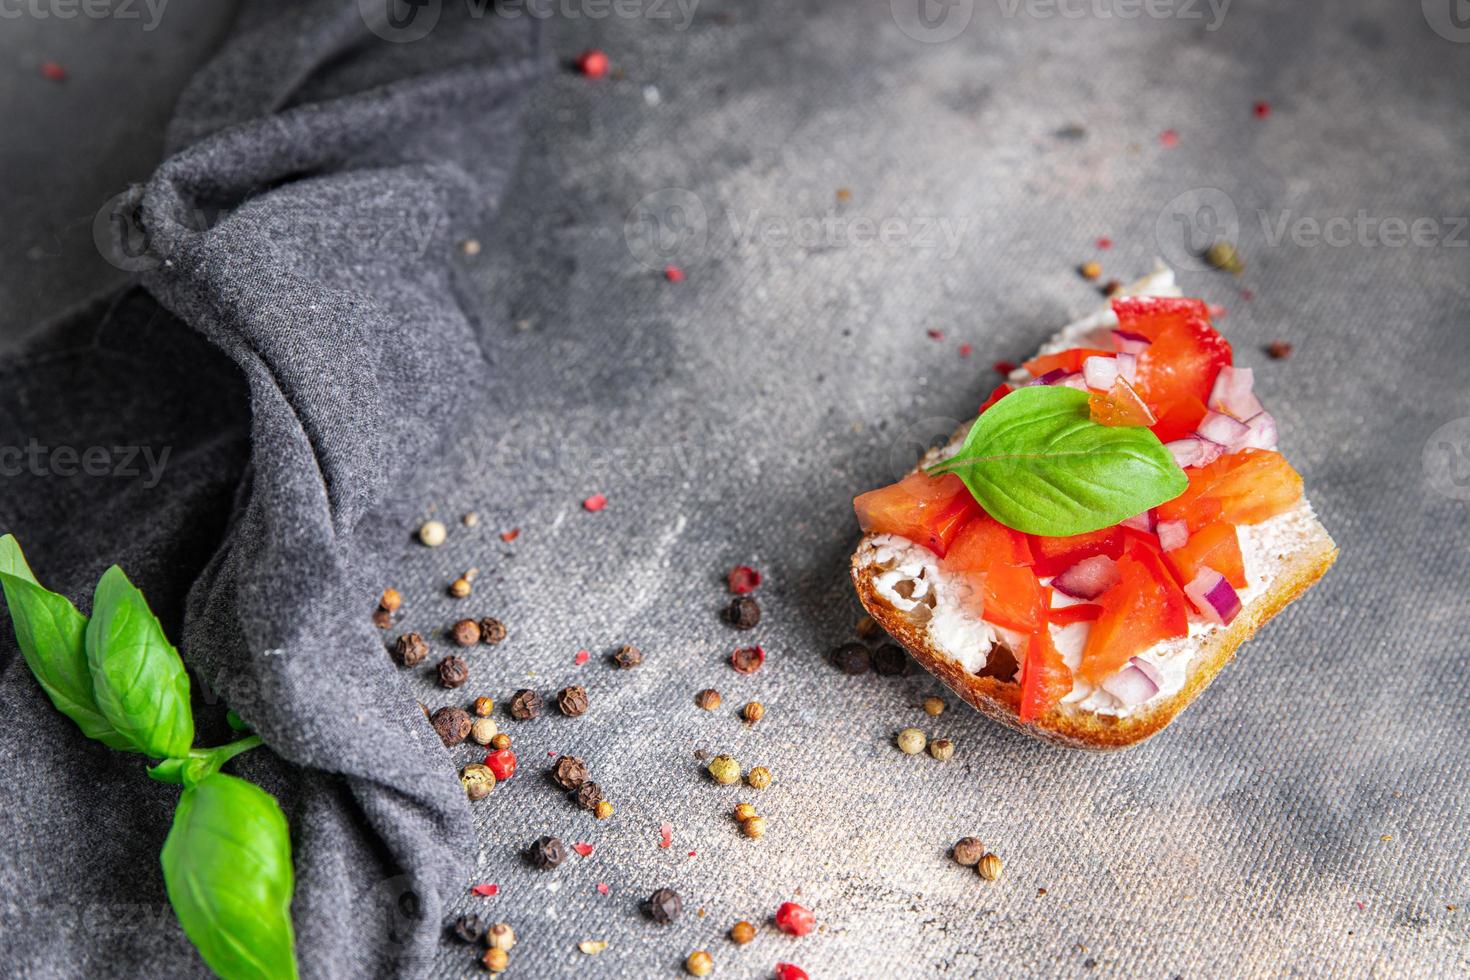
730,417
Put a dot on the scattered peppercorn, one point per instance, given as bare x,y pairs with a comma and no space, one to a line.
1112,287
664,906
942,749
759,777
592,63
483,730
1222,255
502,762
724,769
525,705
500,742
742,932
548,852
500,936
790,971
747,660
889,660
433,533
484,707
382,618
753,712
743,612
469,929
934,706
743,579
471,519
968,851
852,658
572,701
754,827
744,811
1090,270
603,811
496,960
912,741
466,632
452,724
410,649
628,657
708,699
700,963
492,631
588,795
453,671
460,588
391,600
569,772
989,867
477,779
1279,350
795,920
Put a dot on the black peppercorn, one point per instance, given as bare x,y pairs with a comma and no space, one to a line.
851,658
588,795
452,724
548,852
492,630
569,772
466,632
410,649
468,929
743,613
628,657
664,906
572,701
525,705
889,660
453,671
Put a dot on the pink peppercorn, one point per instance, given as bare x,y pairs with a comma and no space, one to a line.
503,763
790,971
592,63
795,920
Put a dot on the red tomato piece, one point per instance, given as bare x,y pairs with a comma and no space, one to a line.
1247,487
1045,679
985,541
1152,315
995,558
1214,545
1178,418
1001,390
1015,598
1068,360
1185,354
1146,606
1077,612
927,510
1056,555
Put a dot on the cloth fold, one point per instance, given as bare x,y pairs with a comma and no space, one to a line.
287,347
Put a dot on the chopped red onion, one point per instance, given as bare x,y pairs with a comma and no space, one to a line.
1128,367
1232,393
1073,380
1100,372
1194,451
1049,378
1135,683
1173,535
1089,578
1214,597
1221,428
1129,342
1141,522
1261,434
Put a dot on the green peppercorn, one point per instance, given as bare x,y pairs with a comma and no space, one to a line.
724,769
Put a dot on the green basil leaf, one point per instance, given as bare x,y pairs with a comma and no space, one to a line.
1038,463
139,681
227,869
50,633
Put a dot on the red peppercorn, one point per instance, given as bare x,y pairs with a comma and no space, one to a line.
1262,110
52,71
790,971
743,579
795,920
593,63
673,273
502,763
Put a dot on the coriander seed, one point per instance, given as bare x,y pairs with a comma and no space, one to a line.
391,600
547,852
934,706
460,588
968,851
603,811
572,701
477,780
500,936
452,724
700,963
708,699
500,742
410,649
433,533
466,632
588,795
492,631
525,704
1090,270
744,811
628,657
482,730
989,867
942,749
724,769
753,712
382,618
754,828
569,772
496,960
484,707
758,778
742,932
912,741
453,671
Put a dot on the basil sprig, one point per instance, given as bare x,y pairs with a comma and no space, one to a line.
227,858
1038,463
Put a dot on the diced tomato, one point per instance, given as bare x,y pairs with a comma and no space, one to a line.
1077,612
1120,405
1247,487
1178,418
1068,360
1214,545
1146,606
1185,354
1056,555
995,558
985,541
1045,678
1001,390
927,510
1014,598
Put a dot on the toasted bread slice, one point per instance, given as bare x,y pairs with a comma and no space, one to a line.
904,590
